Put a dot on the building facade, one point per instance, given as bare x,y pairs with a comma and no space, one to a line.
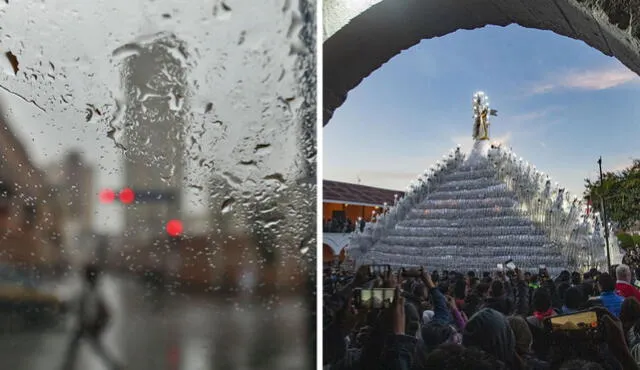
344,206
31,233
72,178
155,85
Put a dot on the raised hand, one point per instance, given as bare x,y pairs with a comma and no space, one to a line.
397,313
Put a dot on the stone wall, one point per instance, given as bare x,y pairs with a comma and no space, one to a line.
359,37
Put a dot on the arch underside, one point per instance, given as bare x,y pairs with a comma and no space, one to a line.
357,42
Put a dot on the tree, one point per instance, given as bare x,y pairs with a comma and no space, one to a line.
621,194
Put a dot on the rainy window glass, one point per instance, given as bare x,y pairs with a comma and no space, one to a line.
157,184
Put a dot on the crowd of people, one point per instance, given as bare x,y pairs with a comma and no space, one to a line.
337,225
500,320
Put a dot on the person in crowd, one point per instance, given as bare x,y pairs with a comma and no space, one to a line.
573,300
576,278
524,341
498,299
564,277
608,296
542,309
470,275
460,293
623,285
563,286
629,313
475,298
459,318
489,331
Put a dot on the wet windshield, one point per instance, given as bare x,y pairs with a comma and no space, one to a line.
157,184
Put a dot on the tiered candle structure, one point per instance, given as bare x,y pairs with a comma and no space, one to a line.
475,212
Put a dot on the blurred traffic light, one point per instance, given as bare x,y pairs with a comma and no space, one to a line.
127,196
107,196
174,228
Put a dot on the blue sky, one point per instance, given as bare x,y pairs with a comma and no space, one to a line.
560,103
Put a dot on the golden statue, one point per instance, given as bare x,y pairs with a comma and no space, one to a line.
481,113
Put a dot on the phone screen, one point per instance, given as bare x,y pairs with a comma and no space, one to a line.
577,321
500,267
637,284
365,298
511,266
375,270
376,298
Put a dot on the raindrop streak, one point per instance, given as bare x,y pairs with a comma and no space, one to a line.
31,101
227,205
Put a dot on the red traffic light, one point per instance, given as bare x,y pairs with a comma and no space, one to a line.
127,196
174,228
107,196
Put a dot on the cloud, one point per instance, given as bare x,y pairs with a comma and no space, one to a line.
530,116
619,165
503,139
590,80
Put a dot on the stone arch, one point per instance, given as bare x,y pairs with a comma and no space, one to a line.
343,254
327,253
362,35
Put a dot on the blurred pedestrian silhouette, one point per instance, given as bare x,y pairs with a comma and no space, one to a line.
93,317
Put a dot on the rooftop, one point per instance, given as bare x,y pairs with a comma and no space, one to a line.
343,192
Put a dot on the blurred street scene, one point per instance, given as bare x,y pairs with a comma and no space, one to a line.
177,331
193,200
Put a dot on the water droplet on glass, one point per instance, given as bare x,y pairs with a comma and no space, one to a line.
275,176
227,205
13,62
222,11
261,147
127,51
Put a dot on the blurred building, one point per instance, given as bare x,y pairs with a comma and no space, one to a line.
30,214
72,177
154,80
343,206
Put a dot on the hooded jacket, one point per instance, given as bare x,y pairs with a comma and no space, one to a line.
489,330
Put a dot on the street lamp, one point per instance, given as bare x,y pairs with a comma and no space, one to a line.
604,216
